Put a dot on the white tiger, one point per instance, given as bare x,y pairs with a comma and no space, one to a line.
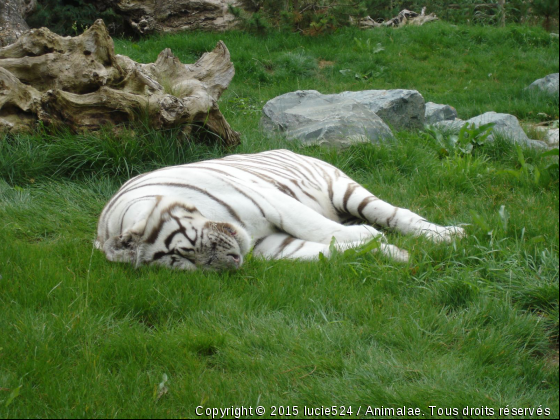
280,204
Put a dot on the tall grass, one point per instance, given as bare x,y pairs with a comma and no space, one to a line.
473,323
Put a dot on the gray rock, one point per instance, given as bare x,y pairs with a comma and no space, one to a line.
274,109
552,138
401,109
313,118
506,125
436,113
548,84
451,126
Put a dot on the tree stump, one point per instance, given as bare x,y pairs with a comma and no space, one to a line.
80,82
12,19
167,16
405,17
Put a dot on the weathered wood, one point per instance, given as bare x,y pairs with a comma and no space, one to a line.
502,4
12,19
166,16
80,82
405,17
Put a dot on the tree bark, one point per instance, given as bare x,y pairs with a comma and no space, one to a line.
12,19
168,16
405,17
81,83
502,4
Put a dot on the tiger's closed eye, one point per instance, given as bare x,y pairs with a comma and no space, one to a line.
184,251
231,231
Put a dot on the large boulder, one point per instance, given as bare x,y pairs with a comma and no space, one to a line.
548,84
436,113
506,126
313,118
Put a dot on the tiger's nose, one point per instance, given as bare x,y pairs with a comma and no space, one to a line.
236,259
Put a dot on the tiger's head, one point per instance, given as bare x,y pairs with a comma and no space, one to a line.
177,235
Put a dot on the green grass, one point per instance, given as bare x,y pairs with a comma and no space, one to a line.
474,323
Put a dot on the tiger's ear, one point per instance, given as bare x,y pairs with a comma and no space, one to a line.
124,248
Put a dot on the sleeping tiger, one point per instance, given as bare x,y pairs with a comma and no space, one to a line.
279,204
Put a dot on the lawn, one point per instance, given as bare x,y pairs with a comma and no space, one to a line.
472,325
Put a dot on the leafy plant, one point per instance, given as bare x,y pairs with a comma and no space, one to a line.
469,137
541,174
493,230
372,74
366,47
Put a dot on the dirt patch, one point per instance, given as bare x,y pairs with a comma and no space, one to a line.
325,63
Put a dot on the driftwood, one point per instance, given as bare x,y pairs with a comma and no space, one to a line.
12,19
167,16
405,17
80,82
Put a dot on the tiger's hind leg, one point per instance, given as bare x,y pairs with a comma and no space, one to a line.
283,246
351,198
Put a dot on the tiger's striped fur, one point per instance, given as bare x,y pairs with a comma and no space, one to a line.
280,204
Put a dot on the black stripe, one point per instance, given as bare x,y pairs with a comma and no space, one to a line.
296,168
309,195
330,188
282,165
230,210
139,177
349,191
285,189
196,166
296,250
317,165
250,198
160,255
278,185
260,159
363,205
259,241
284,245
182,230
130,204
258,169
392,217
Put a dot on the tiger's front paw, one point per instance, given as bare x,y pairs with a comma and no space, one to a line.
445,234
395,253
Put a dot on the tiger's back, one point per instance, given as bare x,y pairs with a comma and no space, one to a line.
233,188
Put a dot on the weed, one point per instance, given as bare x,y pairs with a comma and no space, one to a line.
469,137
366,47
543,173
